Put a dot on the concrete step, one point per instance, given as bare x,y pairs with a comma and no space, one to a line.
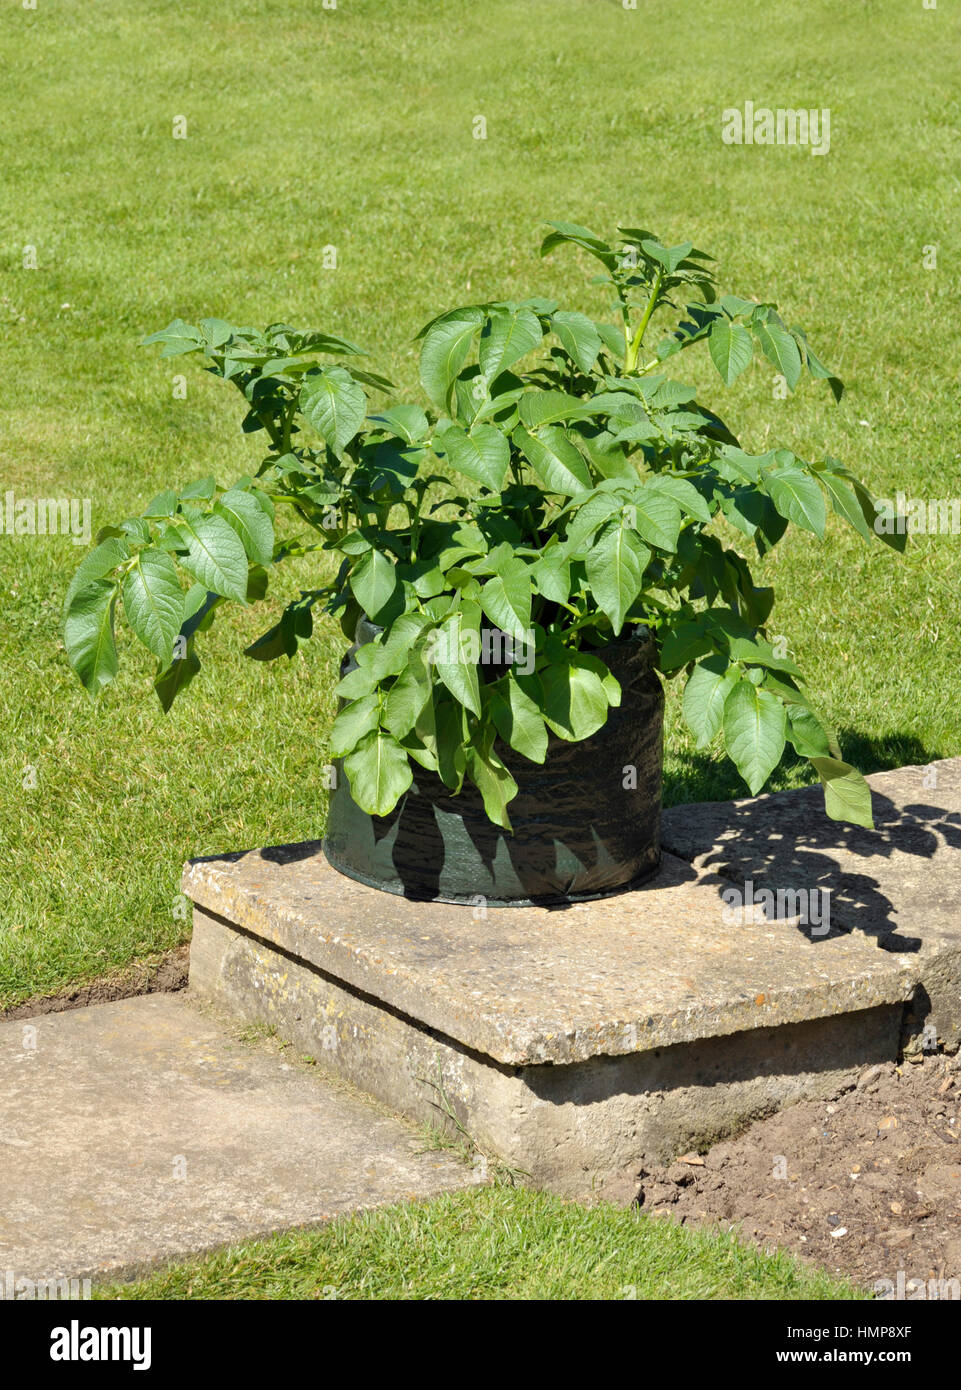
147,1130
581,1044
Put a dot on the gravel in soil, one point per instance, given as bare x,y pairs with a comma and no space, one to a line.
867,1186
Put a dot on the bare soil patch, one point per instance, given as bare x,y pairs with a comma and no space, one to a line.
867,1185
158,974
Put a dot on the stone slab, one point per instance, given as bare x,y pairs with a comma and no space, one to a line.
583,1130
579,1044
143,1131
663,964
898,885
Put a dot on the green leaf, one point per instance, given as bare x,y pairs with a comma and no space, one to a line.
538,408
519,721
754,732
551,573
733,304
780,349
450,731
200,491
669,257
683,492
312,341
615,571
215,556
731,348
137,528
176,330
88,634
153,602
682,644
759,652
575,699
199,605
608,457
454,651
578,337
593,510
817,367
560,467
372,379
707,689
694,327
373,581
495,784
735,465
379,773
847,795
100,562
579,236
216,331
407,422
798,498
176,677
407,698
787,689
296,626
419,751
390,467
709,631
333,403
428,579
806,733
656,516
164,504
355,720
612,338
845,502
506,598
257,581
624,407
509,334
245,515
444,352
365,676
871,510
177,338
483,455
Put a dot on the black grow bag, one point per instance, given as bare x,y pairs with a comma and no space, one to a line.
586,821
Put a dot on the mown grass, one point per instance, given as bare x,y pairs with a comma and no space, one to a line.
353,128
494,1243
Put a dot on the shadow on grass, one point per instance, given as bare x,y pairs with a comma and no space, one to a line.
703,777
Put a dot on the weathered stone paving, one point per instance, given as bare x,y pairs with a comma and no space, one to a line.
144,1131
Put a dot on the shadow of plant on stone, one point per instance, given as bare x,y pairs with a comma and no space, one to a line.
877,881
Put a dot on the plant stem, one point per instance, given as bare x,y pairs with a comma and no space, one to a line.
634,347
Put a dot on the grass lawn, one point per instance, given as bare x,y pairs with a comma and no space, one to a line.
353,128
494,1243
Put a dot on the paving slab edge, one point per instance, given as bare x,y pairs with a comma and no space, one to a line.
213,890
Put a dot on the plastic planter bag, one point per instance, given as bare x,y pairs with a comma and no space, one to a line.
586,822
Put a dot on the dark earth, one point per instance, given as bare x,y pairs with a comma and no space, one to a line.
159,974
867,1186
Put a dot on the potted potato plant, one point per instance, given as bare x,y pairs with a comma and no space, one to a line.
518,563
